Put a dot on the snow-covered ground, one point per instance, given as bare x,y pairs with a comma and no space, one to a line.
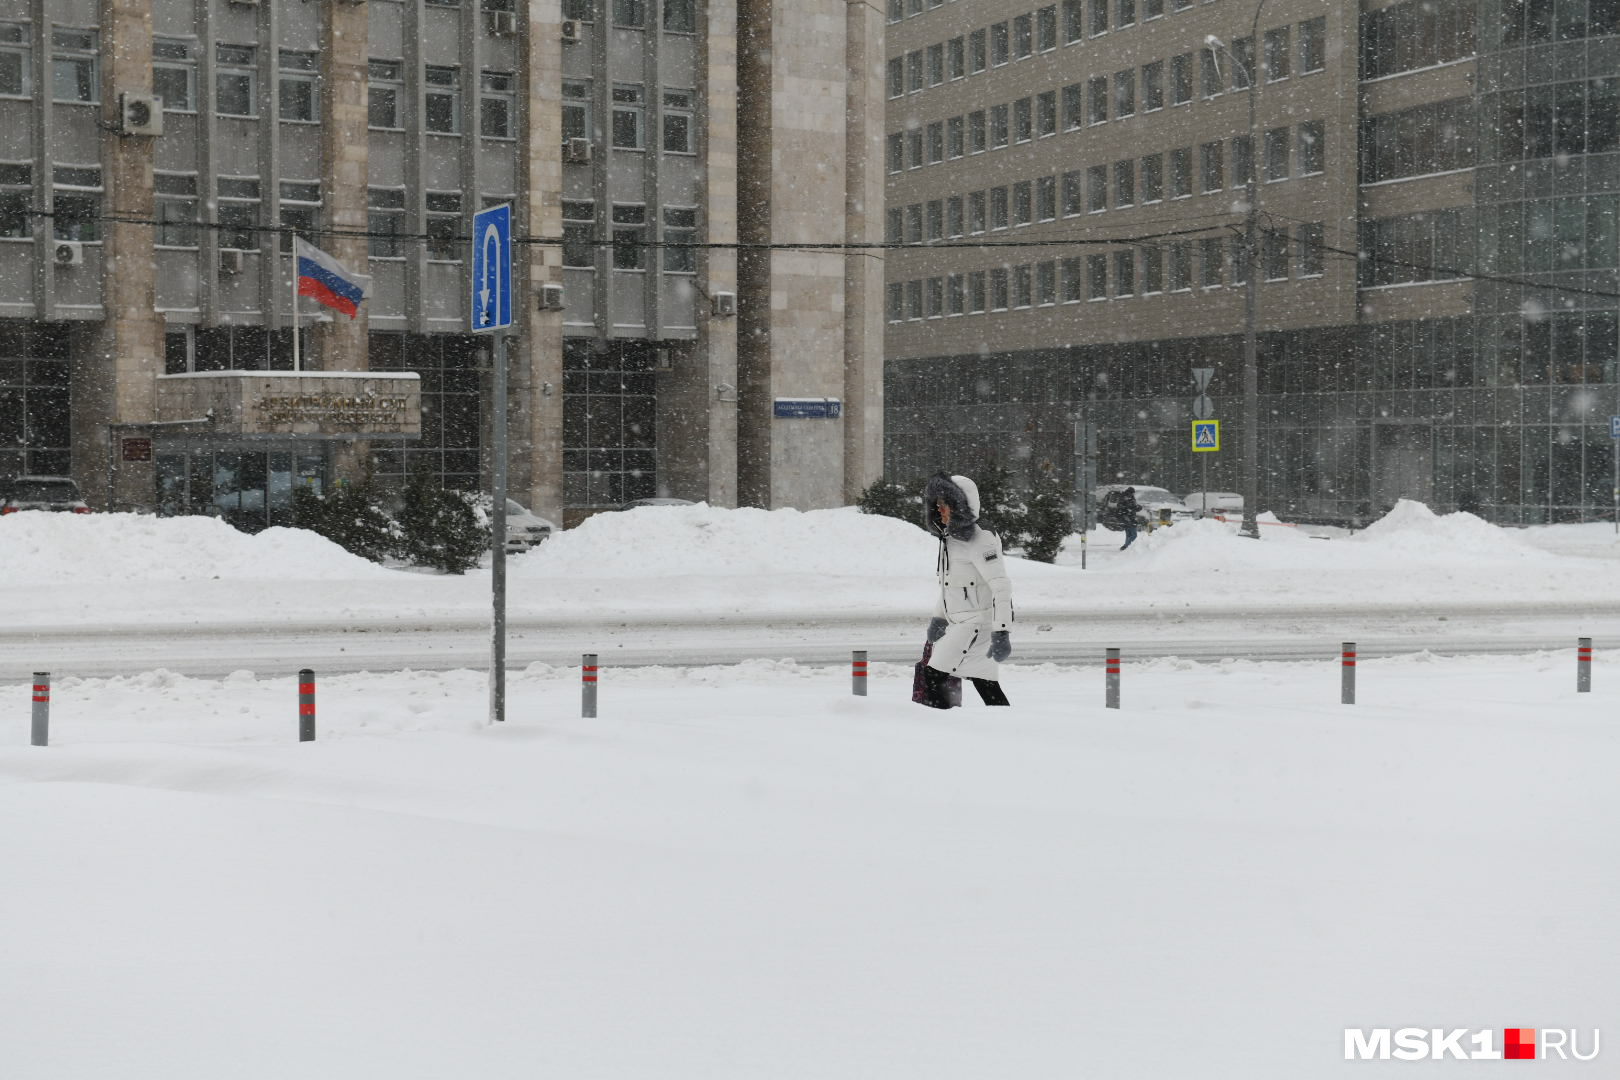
746,872
67,572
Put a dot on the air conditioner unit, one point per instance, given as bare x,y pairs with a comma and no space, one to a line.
230,261
140,114
501,23
725,304
570,32
551,298
69,253
577,151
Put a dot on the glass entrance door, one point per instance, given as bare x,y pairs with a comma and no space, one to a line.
250,489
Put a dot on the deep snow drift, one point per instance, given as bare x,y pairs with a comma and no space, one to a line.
746,873
699,561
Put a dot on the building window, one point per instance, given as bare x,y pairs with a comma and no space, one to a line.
1097,189
16,199
976,290
629,109
16,76
1125,183
1181,172
442,99
1074,284
1046,113
680,16
1212,261
1124,13
936,142
936,297
954,219
1277,140
297,86
976,212
1023,37
1276,45
998,208
894,225
1046,28
238,212
1313,45
1073,200
1124,93
497,105
1309,243
1210,71
1152,9
443,226
235,81
955,137
1023,287
630,13
1242,62
386,78
935,209
956,49
1180,266
175,207
998,126
1424,33
581,10
955,294
1125,273
1152,270
1181,79
896,155
1212,171
1099,17
1046,198
1073,106
1023,120
1072,21
629,237
897,10
576,110
1274,252
896,306
1046,283
74,70
174,74
300,211
914,141
914,299
1000,45
976,51
1242,160
1097,100
1153,178
677,121
680,239
1000,292
385,221
1438,137
1240,261
1022,202
1096,277
1311,147
1153,86
914,71
936,64
897,77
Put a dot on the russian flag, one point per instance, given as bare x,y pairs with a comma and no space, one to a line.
323,277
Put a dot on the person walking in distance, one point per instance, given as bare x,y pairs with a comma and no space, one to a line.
1120,510
971,631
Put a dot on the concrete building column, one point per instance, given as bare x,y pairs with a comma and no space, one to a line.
534,353
113,373
863,268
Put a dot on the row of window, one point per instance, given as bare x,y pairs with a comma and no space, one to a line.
1416,34
627,129
679,16
1042,25
628,236
1119,274
1133,182
1536,22
966,55
1414,248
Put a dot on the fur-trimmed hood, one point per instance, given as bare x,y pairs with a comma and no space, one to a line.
961,494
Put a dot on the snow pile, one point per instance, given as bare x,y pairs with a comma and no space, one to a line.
703,540
1412,528
76,549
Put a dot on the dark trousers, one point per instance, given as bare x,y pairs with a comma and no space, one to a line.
1130,535
942,691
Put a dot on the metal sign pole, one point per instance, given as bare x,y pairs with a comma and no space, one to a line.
497,539
489,306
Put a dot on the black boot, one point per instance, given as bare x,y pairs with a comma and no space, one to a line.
990,690
941,691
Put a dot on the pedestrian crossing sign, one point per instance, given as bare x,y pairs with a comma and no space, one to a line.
1206,436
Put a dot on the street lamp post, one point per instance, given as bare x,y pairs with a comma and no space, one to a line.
1250,461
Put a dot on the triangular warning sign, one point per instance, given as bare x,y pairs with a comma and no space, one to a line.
1205,435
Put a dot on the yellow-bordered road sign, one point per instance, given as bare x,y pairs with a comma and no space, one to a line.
1206,436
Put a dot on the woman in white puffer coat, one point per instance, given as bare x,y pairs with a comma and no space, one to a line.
972,626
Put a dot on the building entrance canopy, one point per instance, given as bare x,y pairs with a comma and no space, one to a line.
281,405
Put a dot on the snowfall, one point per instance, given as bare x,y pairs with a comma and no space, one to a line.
747,871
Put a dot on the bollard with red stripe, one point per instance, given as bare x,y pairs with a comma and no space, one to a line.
41,734
1347,664
306,705
587,686
1583,666
1111,697
857,672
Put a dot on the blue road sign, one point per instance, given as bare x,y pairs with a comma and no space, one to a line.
807,408
1206,436
1614,427
491,306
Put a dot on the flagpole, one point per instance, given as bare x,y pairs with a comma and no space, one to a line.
297,360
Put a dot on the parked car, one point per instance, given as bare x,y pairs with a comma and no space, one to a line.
1151,499
1217,502
58,493
525,529
634,504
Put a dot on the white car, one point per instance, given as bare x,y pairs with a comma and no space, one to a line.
525,530
1151,499
1217,502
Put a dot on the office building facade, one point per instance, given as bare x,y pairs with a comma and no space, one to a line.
147,319
1437,292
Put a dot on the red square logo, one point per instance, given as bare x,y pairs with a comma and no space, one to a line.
1519,1042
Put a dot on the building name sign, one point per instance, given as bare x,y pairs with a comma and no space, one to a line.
331,409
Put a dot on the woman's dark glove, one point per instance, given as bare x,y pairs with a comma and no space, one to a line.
936,629
1000,645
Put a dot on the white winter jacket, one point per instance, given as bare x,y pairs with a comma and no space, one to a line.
975,594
